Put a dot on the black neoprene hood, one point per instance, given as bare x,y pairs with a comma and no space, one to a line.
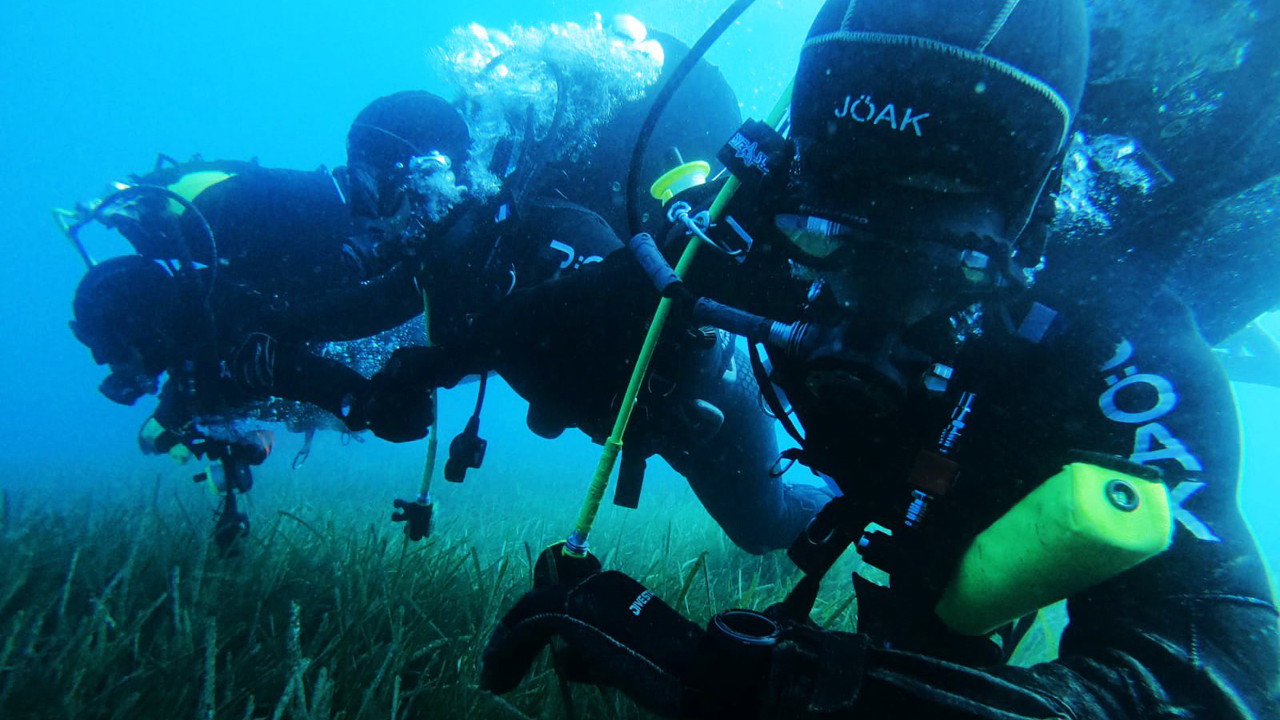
123,305
406,124
968,98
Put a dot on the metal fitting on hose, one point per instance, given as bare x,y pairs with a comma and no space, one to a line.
788,337
698,225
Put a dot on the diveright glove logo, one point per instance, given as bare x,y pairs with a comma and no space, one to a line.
641,600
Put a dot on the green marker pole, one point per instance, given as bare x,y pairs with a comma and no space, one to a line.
429,467
576,544
433,434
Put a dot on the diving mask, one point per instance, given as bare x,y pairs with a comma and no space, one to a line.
425,180
368,195
945,262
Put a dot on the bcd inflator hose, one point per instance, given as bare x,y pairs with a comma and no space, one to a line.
673,83
738,322
795,340
790,338
646,252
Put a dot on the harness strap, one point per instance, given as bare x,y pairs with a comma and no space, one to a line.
770,395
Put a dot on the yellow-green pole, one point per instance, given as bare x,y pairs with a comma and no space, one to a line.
433,434
433,440
577,542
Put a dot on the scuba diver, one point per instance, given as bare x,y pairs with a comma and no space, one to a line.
1173,96
484,261
1180,135
237,268
1007,434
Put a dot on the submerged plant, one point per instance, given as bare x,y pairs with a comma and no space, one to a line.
128,612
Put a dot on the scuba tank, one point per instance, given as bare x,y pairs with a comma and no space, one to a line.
288,231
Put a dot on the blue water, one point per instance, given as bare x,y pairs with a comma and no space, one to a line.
92,91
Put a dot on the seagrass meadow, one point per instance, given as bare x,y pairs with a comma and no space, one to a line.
124,609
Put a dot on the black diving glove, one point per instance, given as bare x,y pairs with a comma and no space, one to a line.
402,414
399,406
433,367
616,633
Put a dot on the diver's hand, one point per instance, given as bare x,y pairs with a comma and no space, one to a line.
396,414
617,633
400,406
417,367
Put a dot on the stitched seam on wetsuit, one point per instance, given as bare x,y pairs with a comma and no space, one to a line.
1245,599
1031,81
597,631
1192,610
998,25
911,683
847,22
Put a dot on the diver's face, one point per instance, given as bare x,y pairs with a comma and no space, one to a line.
108,345
393,224
371,193
902,279
883,283
382,237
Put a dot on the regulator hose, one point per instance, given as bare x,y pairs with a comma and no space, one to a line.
663,99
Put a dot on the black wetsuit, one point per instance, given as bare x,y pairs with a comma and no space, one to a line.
528,298
1103,361
565,338
293,263
1190,633
1057,371
299,276
290,270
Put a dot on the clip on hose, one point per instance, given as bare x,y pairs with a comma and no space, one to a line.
466,452
417,514
231,525
304,452
698,226
630,479
228,477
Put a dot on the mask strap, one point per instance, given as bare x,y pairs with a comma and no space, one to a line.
413,149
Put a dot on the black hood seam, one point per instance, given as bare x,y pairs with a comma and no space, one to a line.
847,23
997,25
